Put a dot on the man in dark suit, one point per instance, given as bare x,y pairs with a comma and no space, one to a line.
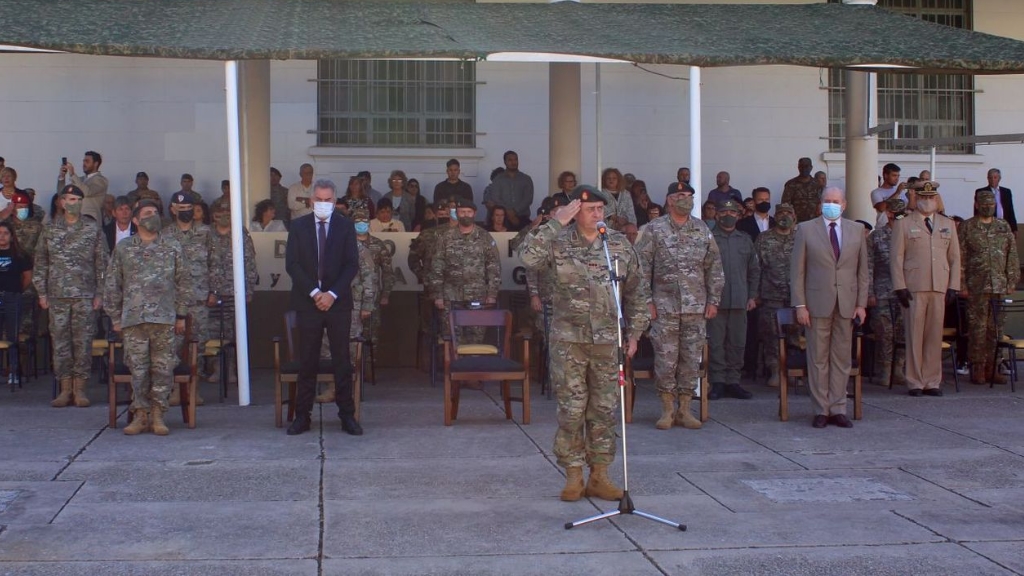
829,290
759,221
1004,199
322,258
121,226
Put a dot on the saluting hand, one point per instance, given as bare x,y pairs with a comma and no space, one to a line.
565,214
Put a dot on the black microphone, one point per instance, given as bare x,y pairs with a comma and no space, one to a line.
602,229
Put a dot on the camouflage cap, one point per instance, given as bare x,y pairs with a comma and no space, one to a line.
925,188
361,215
784,207
895,205
985,196
464,203
181,198
146,204
587,193
72,189
728,205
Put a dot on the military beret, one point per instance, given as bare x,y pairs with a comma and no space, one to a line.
925,188
679,187
464,203
728,205
181,198
546,206
895,205
587,193
784,207
985,196
361,215
72,189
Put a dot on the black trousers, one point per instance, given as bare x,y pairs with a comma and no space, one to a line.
311,325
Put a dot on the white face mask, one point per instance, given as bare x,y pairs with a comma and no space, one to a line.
323,210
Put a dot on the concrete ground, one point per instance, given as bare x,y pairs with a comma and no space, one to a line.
919,486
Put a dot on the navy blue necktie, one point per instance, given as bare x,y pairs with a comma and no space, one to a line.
321,251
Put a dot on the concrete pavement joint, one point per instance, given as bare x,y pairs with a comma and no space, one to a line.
964,496
82,449
762,445
951,431
959,543
320,503
705,492
66,502
996,562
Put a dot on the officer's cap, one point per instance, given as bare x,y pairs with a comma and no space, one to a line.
986,196
361,215
464,203
728,205
925,188
587,193
181,198
72,189
895,205
784,207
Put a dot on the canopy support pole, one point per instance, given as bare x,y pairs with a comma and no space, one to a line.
695,141
237,226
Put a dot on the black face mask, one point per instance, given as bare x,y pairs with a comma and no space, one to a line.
186,216
763,207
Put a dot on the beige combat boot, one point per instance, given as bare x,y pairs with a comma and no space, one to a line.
139,423
157,421
573,490
668,406
684,417
64,398
80,399
328,395
175,398
599,485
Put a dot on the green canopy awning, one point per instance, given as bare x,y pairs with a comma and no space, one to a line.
819,35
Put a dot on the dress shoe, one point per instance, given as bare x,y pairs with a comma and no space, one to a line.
840,420
737,391
299,425
717,391
349,424
933,391
820,421
915,392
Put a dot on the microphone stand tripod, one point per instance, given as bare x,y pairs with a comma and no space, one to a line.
626,502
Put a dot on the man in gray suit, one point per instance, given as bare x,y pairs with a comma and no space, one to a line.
829,290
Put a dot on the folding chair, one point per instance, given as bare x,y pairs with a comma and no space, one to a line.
470,361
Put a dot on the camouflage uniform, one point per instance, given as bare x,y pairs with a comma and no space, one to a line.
991,269
773,251
364,299
422,251
194,246
681,264
584,362
385,278
28,233
70,261
148,287
464,268
221,275
727,331
804,196
887,316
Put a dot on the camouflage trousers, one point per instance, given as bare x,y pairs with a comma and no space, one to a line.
768,310
149,354
983,329
585,380
678,341
370,330
472,335
200,316
356,330
887,323
72,326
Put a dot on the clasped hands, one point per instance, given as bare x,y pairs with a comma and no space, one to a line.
323,301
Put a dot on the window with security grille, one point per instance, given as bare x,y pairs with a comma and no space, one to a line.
396,103
925,105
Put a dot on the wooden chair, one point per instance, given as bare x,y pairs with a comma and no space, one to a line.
1011,310
185,377
793,362
468,362
287,372
642,367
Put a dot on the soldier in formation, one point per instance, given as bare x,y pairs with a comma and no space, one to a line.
680,262
220,269
887,315
147,294
803,192
584,353
774,248
70,260
384,274
991,270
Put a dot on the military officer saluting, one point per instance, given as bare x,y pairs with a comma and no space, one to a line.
584,360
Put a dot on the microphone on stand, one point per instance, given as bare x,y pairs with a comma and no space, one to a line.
602,229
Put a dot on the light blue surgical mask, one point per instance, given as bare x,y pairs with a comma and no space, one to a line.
451,214
831,211
362,227
22,213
